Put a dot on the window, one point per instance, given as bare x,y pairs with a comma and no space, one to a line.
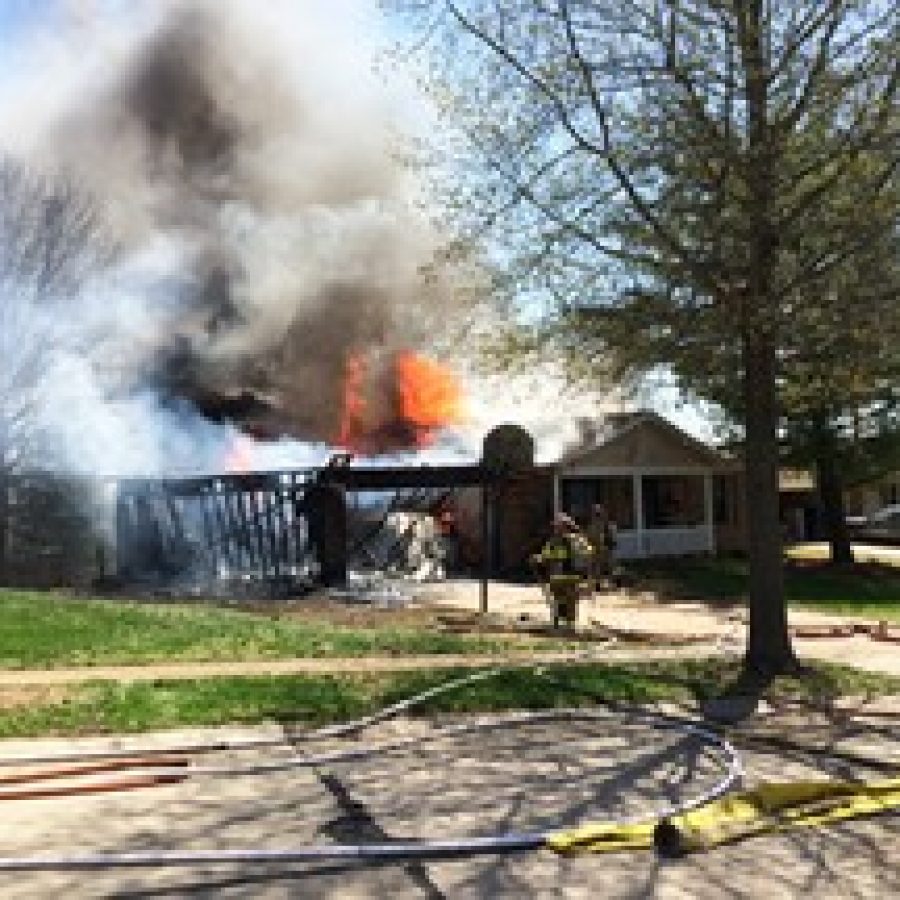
617,495
673,501
577,497
615,492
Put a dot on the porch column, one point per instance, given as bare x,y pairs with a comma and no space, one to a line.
638,492
709,516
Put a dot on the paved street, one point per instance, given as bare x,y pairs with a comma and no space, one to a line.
534,776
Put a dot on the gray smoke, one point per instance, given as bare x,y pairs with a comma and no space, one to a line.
246,162
258,225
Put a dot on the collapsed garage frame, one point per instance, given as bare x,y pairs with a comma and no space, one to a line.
259,527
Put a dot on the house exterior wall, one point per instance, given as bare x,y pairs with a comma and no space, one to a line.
521,516
798,511
523,512
467,510
730,515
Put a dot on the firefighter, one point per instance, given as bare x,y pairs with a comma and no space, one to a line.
601,532
564,565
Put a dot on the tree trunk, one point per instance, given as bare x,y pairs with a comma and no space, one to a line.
768,641
831,494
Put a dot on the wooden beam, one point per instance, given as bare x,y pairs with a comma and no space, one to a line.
388,478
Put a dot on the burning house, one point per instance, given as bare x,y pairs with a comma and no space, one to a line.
242,271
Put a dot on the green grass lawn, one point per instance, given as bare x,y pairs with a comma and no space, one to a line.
867,590
99,708
44,630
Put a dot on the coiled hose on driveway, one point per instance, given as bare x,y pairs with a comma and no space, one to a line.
725,754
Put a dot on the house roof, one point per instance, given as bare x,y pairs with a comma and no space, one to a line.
601,439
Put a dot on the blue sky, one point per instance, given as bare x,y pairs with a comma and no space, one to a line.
17,17
18,14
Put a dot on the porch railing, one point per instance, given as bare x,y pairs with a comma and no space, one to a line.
663,542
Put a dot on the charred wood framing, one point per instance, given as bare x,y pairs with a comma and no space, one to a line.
270,530
274,529
241,530
392,478
284,529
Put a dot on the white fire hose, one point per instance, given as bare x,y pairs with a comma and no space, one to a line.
727,757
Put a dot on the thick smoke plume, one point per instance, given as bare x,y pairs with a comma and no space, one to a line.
248,165
257,227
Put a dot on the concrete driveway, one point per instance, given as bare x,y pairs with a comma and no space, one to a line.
710,630
530,776
887,554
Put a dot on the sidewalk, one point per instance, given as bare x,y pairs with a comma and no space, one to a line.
858,651
335,665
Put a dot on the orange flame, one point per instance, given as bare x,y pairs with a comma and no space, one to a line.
353,407
423,397
429,396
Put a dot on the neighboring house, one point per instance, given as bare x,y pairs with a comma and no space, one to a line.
865,499
801,508
669,494
799,505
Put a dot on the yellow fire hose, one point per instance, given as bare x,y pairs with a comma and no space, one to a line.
768,809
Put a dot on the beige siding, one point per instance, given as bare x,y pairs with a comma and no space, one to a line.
646,445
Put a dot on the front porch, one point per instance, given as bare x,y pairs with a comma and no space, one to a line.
658,511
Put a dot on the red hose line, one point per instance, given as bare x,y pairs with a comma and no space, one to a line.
100,787
133,762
